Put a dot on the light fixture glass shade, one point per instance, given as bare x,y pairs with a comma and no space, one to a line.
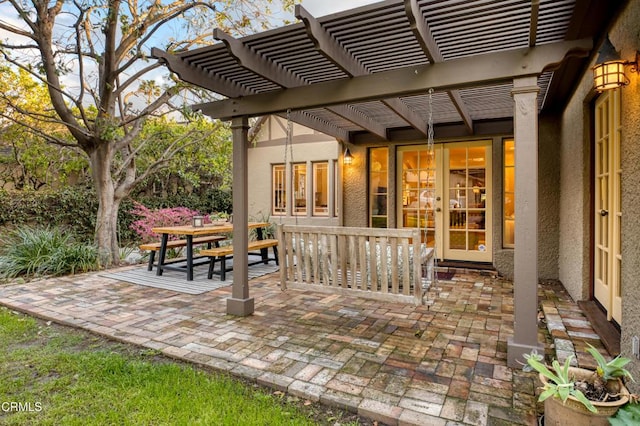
348,158
609,75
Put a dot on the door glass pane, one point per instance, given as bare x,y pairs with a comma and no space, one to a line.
457,158
418,179
477,241
457,219
458,240
476,157
467,198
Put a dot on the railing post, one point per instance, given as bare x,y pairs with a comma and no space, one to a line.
417,266
282,256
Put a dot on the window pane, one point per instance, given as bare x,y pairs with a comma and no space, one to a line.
279,201
457,158
378,181
417,185
299,180
321,189
508,208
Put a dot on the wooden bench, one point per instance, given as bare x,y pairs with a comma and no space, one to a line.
221,253
154,247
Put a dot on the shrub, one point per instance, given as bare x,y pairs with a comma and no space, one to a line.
44,251
77,207
154,218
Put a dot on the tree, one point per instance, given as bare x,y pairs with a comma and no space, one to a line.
205,164
28,162
93,57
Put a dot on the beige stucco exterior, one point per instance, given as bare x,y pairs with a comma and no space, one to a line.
575,214
270,147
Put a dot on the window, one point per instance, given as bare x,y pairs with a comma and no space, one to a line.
508,211
279,201
378,182
321,189
305,188
299,180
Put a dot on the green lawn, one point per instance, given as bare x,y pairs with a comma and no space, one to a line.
62,376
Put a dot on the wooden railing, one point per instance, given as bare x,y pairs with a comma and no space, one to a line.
384,264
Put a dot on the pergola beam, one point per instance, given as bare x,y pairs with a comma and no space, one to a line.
533,26
326,44
197,76
316,123
275,73
491,68
430,48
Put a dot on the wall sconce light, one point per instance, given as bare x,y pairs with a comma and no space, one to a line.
347,158
608,73
198,221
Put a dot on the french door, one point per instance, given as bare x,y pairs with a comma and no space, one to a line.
607,212
446,192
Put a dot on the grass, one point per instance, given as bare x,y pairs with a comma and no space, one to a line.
64,376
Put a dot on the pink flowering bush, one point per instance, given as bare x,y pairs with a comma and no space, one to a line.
163,217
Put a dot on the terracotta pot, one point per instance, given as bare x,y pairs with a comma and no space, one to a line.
574,413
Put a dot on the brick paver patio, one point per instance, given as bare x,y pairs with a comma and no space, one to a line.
443,363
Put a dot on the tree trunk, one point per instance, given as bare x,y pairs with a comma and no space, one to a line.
106,236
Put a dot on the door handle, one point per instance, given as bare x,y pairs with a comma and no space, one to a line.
438,209
604,212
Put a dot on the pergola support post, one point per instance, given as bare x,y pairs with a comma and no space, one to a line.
240,304
525,279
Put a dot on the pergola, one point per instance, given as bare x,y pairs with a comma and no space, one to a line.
363,76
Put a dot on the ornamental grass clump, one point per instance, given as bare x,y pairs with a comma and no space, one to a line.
28,251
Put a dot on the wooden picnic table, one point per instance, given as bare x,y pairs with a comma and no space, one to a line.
189,231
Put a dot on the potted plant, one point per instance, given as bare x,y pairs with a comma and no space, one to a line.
578,396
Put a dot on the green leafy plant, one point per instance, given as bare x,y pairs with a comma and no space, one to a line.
612,369
628,414
560,384
44,251
268,231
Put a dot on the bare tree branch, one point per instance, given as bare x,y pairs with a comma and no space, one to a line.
136,77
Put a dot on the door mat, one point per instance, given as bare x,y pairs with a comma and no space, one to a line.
445,276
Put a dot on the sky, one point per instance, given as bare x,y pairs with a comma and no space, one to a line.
325,7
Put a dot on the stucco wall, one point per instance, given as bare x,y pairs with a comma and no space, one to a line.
626,38
270,149
548,197
355,189
575,164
